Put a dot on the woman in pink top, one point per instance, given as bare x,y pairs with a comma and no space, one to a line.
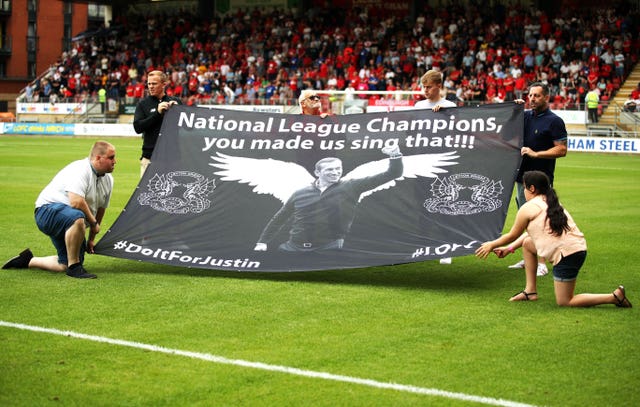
551,233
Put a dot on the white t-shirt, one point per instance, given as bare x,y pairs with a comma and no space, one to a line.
79,178
427,104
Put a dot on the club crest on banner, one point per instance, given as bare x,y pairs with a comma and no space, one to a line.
178,192
449,200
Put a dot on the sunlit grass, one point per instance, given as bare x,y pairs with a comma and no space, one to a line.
424,324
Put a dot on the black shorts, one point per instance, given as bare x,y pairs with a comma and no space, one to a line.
567,269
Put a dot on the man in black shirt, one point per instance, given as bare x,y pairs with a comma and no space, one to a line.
149,113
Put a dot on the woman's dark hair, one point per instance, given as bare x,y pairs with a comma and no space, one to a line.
558,221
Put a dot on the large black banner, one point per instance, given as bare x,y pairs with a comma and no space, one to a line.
279,192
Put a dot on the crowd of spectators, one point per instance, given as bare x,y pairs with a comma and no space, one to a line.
268,57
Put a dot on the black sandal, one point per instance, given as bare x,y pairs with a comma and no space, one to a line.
624,302
526,295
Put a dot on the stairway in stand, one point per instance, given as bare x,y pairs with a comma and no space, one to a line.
610,115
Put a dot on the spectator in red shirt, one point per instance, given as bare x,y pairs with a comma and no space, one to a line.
509,87
129,93
558,102
501,95
592,78
138,90
491,94
635,94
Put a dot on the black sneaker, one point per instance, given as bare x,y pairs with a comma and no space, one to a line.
21,261
80,272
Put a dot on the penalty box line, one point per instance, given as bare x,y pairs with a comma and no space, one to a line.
272,368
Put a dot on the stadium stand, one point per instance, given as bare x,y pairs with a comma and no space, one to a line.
260,57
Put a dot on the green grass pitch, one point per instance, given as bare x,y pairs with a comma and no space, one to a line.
448,329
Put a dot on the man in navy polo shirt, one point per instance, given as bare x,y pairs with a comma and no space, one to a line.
545,139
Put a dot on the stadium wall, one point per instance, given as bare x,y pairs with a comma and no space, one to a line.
576,143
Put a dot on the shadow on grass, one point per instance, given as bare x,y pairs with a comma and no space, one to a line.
465,274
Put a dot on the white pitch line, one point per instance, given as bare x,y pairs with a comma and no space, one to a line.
273,368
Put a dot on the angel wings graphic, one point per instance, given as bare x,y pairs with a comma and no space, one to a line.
267,176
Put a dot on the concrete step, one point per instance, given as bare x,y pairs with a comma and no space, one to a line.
610,120
576,129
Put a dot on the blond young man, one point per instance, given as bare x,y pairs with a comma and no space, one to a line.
431,83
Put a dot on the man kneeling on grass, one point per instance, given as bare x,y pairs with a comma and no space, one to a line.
75,199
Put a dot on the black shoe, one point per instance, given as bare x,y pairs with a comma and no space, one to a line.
80,272
21,261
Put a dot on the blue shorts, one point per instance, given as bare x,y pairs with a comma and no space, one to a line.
567,269
54,220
